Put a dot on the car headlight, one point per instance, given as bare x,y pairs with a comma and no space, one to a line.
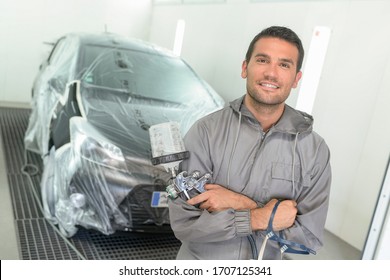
89,144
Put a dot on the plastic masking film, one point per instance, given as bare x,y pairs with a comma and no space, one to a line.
93,103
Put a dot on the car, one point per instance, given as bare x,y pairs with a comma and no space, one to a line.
93,101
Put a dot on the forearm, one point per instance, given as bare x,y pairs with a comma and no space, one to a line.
259,218
218,198
283,218
244,202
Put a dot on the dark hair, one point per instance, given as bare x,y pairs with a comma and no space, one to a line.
279,32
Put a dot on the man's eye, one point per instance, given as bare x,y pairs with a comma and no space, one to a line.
285,65
261,60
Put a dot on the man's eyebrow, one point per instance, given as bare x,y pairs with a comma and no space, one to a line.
262,55
286,60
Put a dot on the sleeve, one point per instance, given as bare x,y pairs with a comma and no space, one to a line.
192,224
313,203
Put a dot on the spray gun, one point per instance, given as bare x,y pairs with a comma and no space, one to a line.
186,187
168,150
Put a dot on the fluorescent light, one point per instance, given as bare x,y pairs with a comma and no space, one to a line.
179,36
313,68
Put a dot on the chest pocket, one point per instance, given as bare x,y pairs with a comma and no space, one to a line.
281,185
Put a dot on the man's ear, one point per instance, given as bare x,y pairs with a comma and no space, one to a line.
243,69
297,78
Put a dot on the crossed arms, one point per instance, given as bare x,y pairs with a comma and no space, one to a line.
217,198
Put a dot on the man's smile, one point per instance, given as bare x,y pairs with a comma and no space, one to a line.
268,85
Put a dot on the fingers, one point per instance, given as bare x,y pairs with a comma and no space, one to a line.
289,203
294,203
202,200
198,199
203,196
217,198
285,214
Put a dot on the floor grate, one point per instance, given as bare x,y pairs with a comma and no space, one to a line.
38,240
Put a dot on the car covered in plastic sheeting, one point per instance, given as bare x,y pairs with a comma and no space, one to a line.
93,101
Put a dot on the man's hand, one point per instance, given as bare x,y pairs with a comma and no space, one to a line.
217,198
284,217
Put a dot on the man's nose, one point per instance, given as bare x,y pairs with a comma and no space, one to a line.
271,71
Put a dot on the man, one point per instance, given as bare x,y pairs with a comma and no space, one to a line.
260,151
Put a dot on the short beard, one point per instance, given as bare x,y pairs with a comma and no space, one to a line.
260,104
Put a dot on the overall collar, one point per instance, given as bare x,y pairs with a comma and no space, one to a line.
292,121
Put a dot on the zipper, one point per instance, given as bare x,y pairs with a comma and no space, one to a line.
262,138
254,237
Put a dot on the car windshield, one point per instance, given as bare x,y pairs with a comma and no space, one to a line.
148,75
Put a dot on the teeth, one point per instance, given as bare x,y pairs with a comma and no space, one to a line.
269,85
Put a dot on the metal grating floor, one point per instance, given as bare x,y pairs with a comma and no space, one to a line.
37,239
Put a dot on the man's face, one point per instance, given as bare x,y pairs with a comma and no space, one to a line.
271,71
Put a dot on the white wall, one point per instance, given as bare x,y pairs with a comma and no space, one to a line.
351,110
26,24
